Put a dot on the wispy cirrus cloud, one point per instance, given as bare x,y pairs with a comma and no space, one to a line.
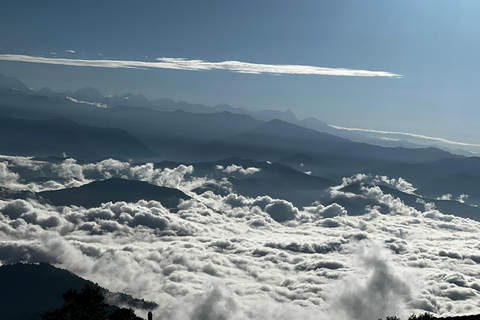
413,135
201,65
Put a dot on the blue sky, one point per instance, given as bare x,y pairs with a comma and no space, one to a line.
434,45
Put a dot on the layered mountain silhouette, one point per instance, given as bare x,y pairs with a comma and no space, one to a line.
30,289
58,137
88,94
92,95
114,190
42,106
276,139
437,178
356,206
49,93
173,135
13,83
272,179
47,124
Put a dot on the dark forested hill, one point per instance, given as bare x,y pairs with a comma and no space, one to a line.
115,189
30,289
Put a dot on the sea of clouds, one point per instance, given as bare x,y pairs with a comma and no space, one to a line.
227,257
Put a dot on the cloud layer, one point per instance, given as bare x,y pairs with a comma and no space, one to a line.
229,257
201,65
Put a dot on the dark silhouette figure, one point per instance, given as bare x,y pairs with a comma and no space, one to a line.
150,315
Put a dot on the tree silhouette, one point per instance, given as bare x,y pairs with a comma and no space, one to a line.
87,304
123,314
425,316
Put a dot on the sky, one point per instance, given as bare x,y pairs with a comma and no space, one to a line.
424,55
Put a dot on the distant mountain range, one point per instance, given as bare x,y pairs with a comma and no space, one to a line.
277,139
273,179
185,136
61,137
356,206
46,124
283,182
453,176
89,95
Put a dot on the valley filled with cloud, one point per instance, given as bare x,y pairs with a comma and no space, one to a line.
219,254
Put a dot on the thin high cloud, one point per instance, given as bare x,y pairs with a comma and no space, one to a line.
201,65
413,135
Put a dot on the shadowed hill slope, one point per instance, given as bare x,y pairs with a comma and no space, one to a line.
57,136
114,190
276,139
30,289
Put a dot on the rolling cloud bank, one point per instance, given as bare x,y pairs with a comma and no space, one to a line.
223,255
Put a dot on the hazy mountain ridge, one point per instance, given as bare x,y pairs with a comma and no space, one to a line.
93,96
263,178
418,202
167,105
60,137
276,139
452,176
180,135
192,138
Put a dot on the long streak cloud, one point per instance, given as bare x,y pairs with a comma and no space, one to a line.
413,135
201,65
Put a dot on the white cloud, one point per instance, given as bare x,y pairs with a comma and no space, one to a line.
7,178
201,65
236,168
96,104
447,196
462,198
225,257
413,135
399,184
70,51
69,169
361,178
382,293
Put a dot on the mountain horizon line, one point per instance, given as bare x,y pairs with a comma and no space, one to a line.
92,96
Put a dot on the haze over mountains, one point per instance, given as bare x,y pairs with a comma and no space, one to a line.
207,123
131,127
65,137
89,95
196,208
